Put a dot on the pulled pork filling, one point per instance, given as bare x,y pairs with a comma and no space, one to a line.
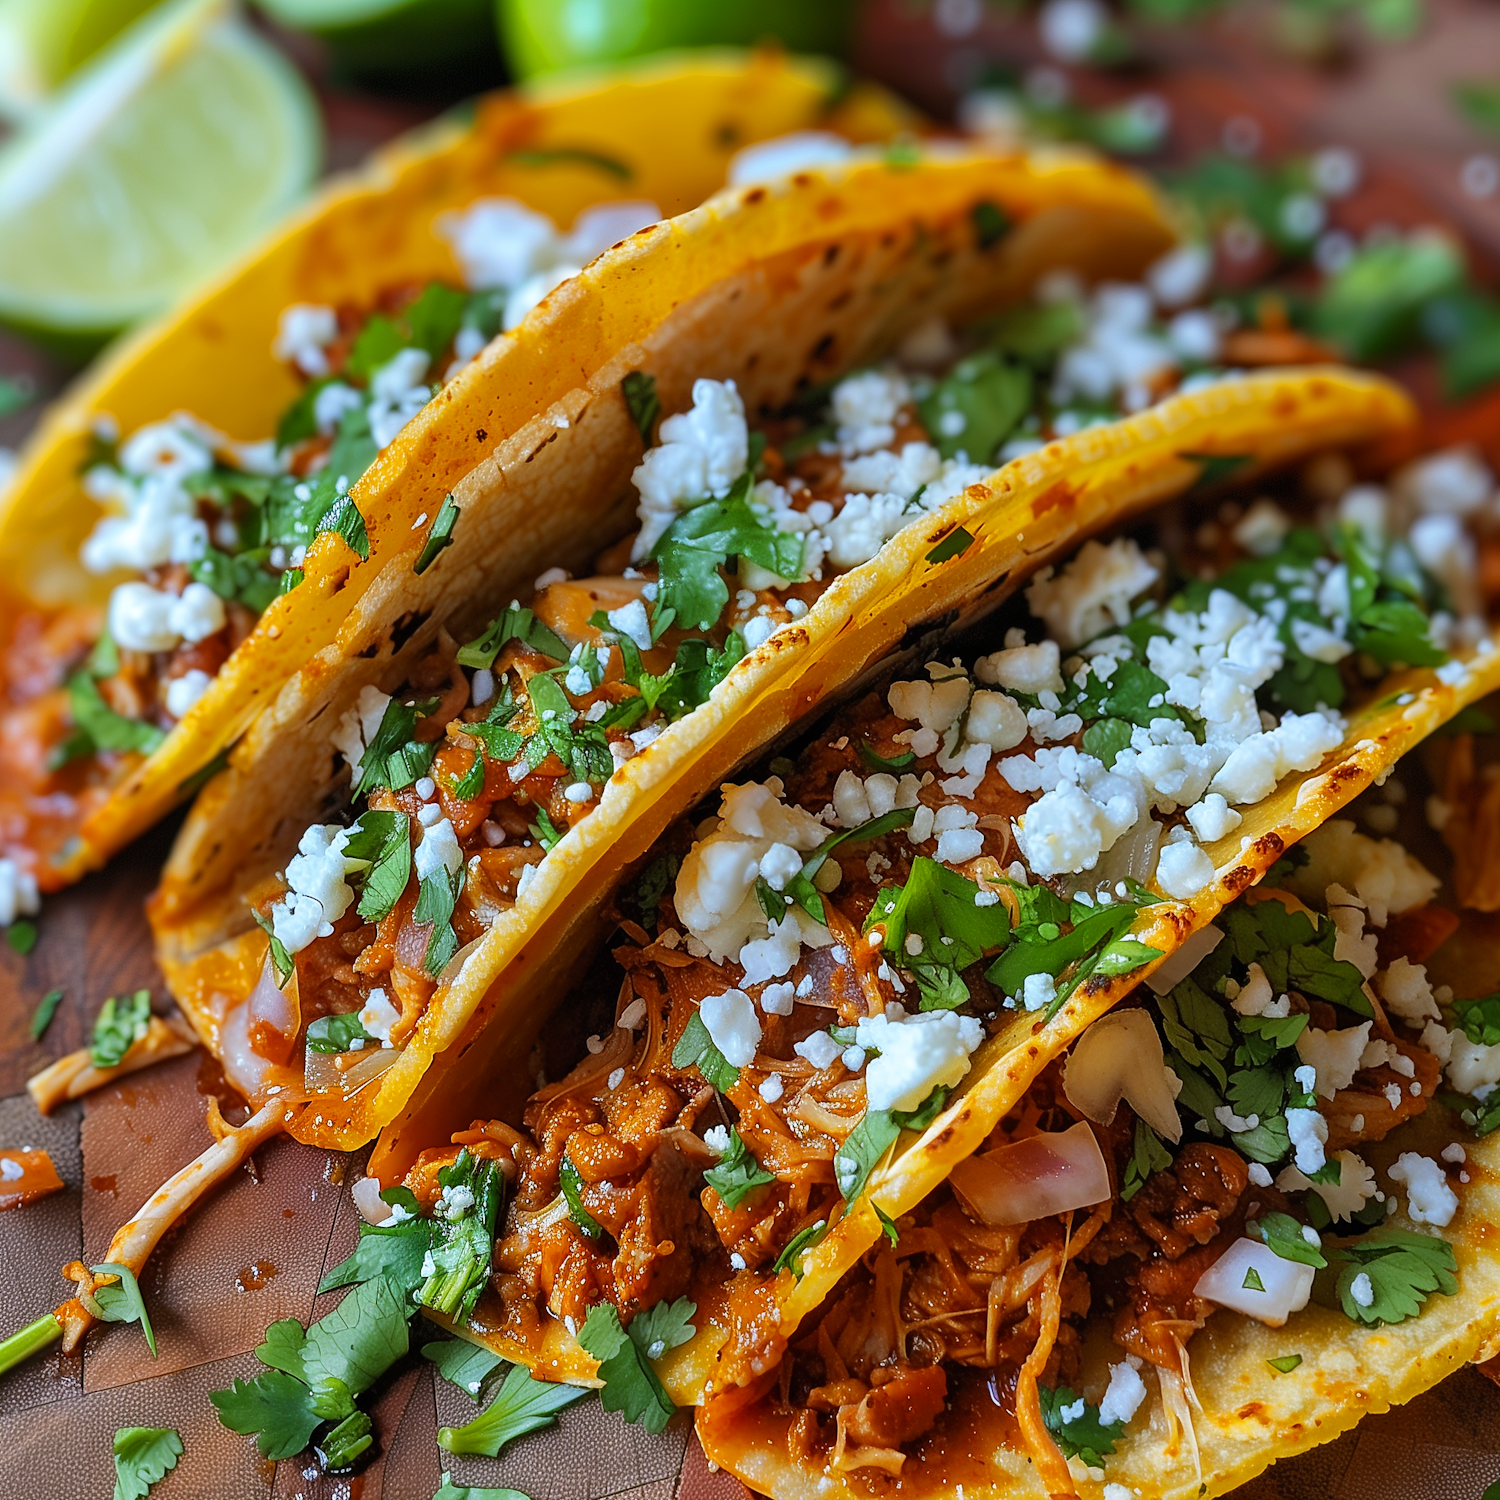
493,750
1296,1042
211,529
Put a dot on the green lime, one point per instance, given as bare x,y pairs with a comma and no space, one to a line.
542,36
174,149
392,37
43,42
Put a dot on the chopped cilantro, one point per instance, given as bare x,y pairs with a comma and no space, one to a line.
937,912
701,540
1252,1281
888,1225
572,1191
1479,1020
991,223
122,1021
1403,1270
545,831
98,727
436,898
642,899
392,759
394,1251
513,624
975,407
439,537
644,405
383,839
737,1174
22,935
41,1017
343,517
336,1033
892,765
447,1490
698,669
695,1049
626,1357
240,576
1079,1434
143,1456
1285,1363
582,747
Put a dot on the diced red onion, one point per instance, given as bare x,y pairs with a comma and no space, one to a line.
1043,1175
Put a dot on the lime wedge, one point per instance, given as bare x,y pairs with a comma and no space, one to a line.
543,36
391,38
172,150
42,42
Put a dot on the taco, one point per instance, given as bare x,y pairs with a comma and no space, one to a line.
755,303
1127,1293
845,978
163,541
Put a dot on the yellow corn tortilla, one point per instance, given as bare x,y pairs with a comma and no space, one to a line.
1251,1415
770,286
662,131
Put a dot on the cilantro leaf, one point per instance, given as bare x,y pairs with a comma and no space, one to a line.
642,402
937,914
122,1022
462,1364
343,516
863,1150
387,760
360,1339
893,765
394,1251
631,1385
1147,1155
122,1302
522,1404
642,900
1283,1235
275,1407
439,537
694,547
1403,1270
1479,1020
143,1455
955,544
1076,1428
99,727
976,406
738,1173
804,1240
41,1017
333,1034
383,839
1285,1364
513,624
436,898
695,1049
991,223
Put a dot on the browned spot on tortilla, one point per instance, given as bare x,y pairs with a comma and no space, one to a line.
1251,1409
1269,846
1061,495
755,195
1237,879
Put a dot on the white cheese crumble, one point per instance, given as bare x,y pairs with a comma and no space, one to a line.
700,452
19,896
379,1015
142,618
1429,1199
1124,1394
1093,591
733,1026
1334,1056
1379,871
318,895
916,1055
358,726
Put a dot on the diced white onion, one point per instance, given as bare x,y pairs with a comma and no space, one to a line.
1286,1284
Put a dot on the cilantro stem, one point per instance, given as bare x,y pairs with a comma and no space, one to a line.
33,1338
443,1291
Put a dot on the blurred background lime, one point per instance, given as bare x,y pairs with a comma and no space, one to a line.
170,152
542,36
43,42
385,40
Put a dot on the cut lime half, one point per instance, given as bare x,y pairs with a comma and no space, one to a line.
43,42
173,150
